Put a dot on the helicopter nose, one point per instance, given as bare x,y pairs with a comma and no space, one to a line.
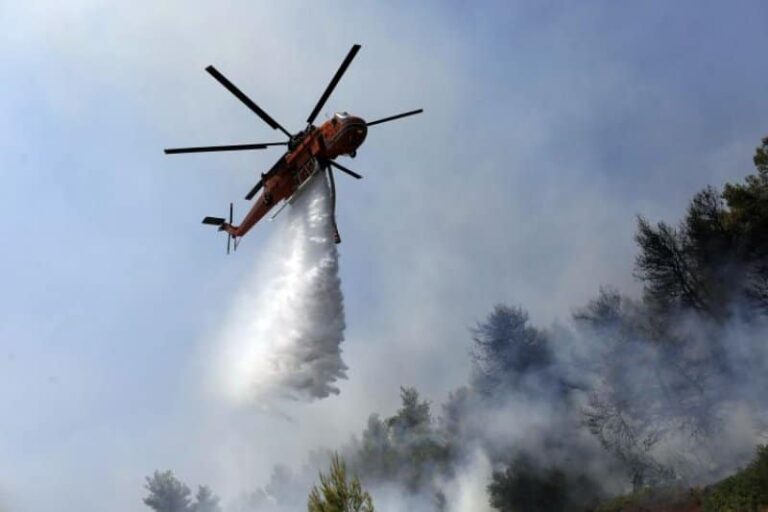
350,135
358,131
359,134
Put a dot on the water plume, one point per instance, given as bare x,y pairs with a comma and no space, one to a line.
283,337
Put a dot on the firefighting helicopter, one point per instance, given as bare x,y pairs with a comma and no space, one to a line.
309,151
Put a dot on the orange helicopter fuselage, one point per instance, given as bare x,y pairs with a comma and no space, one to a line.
340,135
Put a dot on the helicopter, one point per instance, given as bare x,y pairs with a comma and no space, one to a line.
309,151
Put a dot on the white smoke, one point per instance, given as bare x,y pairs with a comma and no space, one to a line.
467,491
283,338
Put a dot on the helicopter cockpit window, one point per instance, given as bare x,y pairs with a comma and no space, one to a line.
340,115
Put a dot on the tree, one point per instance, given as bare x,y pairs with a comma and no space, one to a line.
166,493
455,422
748,204
338,493
406,447
630,436
413,416
746,490
613,318
719,254
665,266
506,348
169,494
205,501
377,457
646,386
524,487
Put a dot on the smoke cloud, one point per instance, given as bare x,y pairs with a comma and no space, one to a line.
541,423
468,489
283,338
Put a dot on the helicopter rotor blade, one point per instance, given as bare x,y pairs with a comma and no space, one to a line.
229,235
245,99
398,116
344,169
334,81
254,190
233,147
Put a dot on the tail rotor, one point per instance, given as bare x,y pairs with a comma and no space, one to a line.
224,226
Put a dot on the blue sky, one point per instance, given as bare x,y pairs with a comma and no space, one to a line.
548,127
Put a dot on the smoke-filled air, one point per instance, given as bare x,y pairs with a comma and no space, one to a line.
283,336
660,397
548,290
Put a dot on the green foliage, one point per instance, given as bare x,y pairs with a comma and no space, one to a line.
522,487
653,498
405,448
748,204
695,266
457,414
169,494
746,491
664,264
205,501
506,349
166,493
718,255
378,457
338,493
620,503
613,318
413,416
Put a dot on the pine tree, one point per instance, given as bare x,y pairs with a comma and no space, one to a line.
166,493
338,493
506,348
205,501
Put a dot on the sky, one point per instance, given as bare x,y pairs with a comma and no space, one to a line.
548,127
